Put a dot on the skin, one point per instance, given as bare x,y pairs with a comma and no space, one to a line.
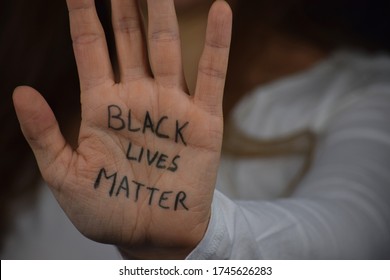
151,82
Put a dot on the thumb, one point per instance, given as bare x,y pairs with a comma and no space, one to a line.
41,130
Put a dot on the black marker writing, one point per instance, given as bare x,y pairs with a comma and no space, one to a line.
114,118
103,172
180,198
157,159
134,190
159,127
124,185
163,198
179,134
138,188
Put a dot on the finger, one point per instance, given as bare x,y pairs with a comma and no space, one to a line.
89,44
214,60
129,37
41,131
164,44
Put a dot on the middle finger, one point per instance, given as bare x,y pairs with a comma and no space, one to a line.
129,38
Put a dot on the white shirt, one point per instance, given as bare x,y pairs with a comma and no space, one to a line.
341,209
44,232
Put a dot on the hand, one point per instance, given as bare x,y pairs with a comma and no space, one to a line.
144,172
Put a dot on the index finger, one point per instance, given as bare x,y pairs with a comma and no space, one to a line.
89,44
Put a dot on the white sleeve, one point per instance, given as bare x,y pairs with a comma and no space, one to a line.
341,210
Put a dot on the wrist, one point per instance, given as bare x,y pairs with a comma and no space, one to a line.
170,250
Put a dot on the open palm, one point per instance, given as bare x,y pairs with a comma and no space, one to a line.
144,171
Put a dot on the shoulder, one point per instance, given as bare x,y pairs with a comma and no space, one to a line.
310,99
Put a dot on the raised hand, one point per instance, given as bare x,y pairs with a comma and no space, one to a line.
143,174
